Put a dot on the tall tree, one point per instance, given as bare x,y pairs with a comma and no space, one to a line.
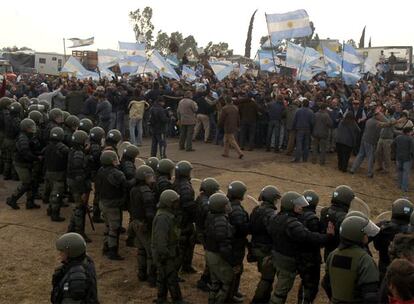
220,49
362,39
352,43
248,46
162,43
142,25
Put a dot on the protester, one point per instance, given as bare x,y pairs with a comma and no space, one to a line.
136,108
346,140
230,123
404,147
186,111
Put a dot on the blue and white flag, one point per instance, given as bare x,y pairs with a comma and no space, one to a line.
333,62
242,69
132,48
104,72
312,64
294,56
129,64
351,55
289,25
76,69
267,61
81,42
162,66
188,73
109,58
172,60
221,69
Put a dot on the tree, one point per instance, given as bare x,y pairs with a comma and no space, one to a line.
15,49
352,43
142,25
263,40
162,43
220,49
248,45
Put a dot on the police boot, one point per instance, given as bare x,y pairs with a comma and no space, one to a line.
176,295
55,216
12,202
113,254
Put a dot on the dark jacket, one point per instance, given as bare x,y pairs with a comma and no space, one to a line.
322,125
276,110
404,145
75,101
158,119
304,120
248,111
229,119
347,134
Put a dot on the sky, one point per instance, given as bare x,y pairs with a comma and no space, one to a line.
42,24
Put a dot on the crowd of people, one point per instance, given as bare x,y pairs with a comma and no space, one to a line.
65,134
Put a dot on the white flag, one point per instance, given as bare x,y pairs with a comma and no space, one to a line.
76,42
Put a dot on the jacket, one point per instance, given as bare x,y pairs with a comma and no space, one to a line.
304,120
137,108
322,125
229,119
347,134
186,111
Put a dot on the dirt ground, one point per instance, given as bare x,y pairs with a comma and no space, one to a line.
28,257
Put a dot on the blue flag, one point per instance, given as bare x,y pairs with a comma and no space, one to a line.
289,25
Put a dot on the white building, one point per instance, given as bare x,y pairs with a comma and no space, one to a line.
49,63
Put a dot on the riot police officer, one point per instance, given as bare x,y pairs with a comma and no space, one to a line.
239,219
152,162
400,219
85,124
113,138
75,280
111,184
96,135
55,159
79,183
143,206
23,163
55,120
188,209
208,187
288,236
309,262
165,170
4,110
71,125
340,203
351,275
261,244
219,251
164,245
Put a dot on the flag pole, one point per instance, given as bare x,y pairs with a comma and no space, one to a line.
271,44
64,49
342,62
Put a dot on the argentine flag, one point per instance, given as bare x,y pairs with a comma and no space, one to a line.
76,69
289,25
312,64
294,56
162,66
129,64
221,68
132,48
188,73
108,58
267,61
351,55
333,62
105,72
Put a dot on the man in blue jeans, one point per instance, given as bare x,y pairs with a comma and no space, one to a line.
303,125
404,148
277,111
158,122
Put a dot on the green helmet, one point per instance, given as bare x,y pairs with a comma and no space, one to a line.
236,190
354,228
33,101
24,101
36,116
36,107
5,102
402,209
28,126
131,151
55,114
312,197
96,134
122,146
72,122
113,137
152,162
143,171
72,244
210,186
85,124
165,166
66,114
269,194
108,157
343,195
45,104
292,199
218,202
57,134
15,108
79,137
183,169
167,198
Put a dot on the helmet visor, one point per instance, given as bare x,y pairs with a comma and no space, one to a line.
371,229
300,202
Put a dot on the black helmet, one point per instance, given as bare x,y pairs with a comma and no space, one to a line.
113,137
152,162
72,244
165,166
218,202
354,228
85,124
402,209
96,134
343,195
269,194
36,116
56,114
108,157
143,171
183,169
312,197
72,122
79,137
28,126
15,108
57,134
209,186
131,151
292,199
236,190
167,198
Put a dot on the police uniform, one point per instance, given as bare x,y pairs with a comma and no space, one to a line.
11,132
